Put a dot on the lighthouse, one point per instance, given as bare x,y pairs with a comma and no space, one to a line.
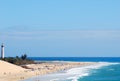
2,51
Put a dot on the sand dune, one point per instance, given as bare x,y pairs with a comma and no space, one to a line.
6,67
9,72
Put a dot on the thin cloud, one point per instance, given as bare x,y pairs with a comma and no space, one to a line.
72,35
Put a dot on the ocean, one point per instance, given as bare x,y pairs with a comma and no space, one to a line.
78,59
106,69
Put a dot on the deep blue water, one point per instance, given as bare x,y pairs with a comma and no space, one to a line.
79,59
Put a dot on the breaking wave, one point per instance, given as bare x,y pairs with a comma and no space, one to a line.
73,74
86,70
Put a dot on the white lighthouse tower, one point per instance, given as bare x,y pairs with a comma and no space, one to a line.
2,51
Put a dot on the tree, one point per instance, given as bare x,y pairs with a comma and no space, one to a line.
24,57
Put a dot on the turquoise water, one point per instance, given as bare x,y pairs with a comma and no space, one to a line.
102,71
108,73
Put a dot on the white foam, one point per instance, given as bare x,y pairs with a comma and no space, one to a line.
54,80
75,78
85,71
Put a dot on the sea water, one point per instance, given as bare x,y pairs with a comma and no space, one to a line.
111,72
108,70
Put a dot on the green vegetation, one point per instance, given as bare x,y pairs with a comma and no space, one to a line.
18,60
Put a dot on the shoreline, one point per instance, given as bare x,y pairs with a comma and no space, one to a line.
47,76
40,69
71,74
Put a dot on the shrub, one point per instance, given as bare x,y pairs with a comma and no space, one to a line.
19,61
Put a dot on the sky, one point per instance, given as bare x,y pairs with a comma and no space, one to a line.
60,28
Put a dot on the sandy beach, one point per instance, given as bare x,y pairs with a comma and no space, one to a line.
10,72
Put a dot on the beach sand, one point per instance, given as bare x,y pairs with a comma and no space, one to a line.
11,72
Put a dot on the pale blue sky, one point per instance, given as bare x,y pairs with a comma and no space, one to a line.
60,27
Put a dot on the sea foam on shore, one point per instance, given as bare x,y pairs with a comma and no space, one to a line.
72,74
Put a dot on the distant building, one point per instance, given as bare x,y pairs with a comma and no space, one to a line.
2,51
